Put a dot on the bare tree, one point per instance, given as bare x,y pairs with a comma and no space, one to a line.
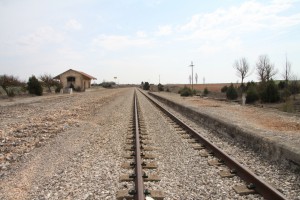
7,81
287,76
196,78
242,68
287,71
265,70
270,71
48,81
294,86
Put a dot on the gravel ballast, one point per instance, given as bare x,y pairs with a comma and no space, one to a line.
80,162
72,147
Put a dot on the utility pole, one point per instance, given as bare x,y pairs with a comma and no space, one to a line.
192,74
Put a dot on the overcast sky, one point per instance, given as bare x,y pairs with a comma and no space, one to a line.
140,40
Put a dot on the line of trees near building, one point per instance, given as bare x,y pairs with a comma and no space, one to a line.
266,90
13,85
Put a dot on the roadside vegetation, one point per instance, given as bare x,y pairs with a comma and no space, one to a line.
145,85
186,91
280,88
267,90
11,86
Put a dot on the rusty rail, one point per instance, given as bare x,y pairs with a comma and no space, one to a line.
139,182
260,186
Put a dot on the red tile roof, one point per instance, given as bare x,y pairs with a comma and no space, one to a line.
82,73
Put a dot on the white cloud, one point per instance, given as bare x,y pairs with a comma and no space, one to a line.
164,30
73,24
209,48
69,53
116,42
141,34
226,29
43,35
250,16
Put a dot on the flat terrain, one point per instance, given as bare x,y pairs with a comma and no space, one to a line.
56,147
72,147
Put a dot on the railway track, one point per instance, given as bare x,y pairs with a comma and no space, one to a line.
254,183
138,152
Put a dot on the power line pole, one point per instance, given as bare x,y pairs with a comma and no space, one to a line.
192,74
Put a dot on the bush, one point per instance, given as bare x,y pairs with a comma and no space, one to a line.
34,86
205,92
294,87
281,85
252,95
185,92
146,86
270,93
167,90
231,92
224,89
250,84
9,83
59,86
160,87
11,92
107,84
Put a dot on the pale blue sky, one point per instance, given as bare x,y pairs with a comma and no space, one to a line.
138,40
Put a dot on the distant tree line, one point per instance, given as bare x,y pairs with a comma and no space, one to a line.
266,90
13,85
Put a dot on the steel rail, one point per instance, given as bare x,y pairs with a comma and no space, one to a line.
139,182
260,186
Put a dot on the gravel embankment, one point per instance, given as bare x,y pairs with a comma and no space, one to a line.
81,154
282,178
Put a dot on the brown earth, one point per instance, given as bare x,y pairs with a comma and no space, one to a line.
213,87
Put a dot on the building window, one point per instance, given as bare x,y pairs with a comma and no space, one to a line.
71,79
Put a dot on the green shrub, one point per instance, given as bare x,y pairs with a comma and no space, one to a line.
185,92
294,87
160,87
146,86
59,86
231,92
281,85
11,92
270,93
107,84
205,92
252,95
250,84
224,89
34,86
